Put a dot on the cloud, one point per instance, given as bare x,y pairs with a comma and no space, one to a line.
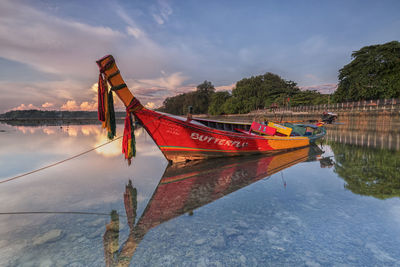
157,89
86,106
45,95
71,105
135,32
150,105
169,82
158,19
225,87
25,107
51,44
328,88
161,12
47,105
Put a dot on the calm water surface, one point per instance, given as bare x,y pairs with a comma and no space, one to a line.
334,204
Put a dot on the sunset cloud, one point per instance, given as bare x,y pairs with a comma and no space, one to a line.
25,107
322,88
165,82
225,87
86,106
150,105
71,105
157,89
47,105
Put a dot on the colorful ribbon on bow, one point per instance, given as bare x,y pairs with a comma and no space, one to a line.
128,141
106,112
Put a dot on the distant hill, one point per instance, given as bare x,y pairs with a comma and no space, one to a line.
53,114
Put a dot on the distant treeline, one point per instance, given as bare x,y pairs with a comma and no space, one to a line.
52,114
257,92
374,73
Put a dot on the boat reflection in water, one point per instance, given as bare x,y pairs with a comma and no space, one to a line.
183,189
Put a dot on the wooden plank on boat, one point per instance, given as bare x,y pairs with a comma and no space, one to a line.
280,128
262,128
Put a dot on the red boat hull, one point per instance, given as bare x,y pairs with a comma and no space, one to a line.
181,140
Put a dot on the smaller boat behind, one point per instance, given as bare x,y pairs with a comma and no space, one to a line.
184,139
329,117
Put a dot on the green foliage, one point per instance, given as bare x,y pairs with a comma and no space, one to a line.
174,104
368,171
308,97
206,88
374,73
198,99
218,100
231,106
258,92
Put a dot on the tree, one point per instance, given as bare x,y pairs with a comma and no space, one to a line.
258,92
374,73
218,100
174,104
198,99
308,97
203,97
206,88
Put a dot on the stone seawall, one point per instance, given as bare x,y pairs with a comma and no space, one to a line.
302,116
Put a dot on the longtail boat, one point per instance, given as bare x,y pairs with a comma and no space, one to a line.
184,139
185,188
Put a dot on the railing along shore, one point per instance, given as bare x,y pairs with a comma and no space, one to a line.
365,105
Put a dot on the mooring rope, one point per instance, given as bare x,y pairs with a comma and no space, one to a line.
59,162
73,157
56,212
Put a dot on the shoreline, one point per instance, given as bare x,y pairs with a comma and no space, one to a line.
51,121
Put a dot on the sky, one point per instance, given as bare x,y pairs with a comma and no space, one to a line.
48,48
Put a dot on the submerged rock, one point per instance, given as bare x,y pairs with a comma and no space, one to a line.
200,241
50,236
218,242
46,263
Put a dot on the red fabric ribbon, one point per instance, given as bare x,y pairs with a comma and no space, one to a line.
128,140
100,101
127,135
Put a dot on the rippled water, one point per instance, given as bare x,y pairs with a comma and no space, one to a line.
334,204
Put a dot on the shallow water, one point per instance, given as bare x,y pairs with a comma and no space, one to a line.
335,204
